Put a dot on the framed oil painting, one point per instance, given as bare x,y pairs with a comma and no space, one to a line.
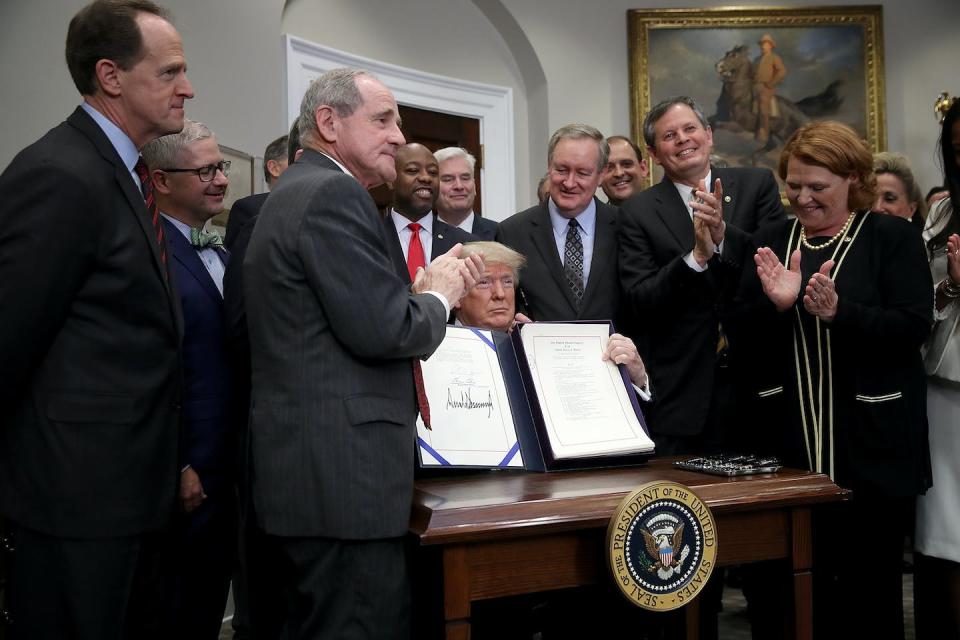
760,73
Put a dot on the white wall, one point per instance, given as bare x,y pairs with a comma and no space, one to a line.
234,54
446,37
235,57
37,90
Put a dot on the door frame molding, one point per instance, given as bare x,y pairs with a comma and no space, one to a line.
491,104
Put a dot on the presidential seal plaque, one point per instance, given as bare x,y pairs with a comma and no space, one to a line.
661,545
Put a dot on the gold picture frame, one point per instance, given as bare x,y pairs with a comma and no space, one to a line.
834,70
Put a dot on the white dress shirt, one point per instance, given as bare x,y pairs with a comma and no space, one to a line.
466,225
686,194
425,232
587,219
209,256
121,142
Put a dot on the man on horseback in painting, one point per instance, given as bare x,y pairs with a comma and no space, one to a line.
769,71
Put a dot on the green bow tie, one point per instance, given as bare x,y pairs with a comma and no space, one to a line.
201,238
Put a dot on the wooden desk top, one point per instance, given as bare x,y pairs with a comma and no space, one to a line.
510,504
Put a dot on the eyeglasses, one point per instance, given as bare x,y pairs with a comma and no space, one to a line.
486,283
207,173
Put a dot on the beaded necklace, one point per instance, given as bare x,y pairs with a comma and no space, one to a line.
833,240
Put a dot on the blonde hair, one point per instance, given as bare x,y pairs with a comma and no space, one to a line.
496,253
898,165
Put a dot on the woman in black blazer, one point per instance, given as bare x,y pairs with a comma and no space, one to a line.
830,329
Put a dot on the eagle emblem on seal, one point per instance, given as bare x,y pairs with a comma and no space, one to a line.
666,549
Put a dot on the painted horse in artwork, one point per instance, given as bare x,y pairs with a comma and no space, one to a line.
735,107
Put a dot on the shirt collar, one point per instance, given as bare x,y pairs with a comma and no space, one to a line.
127,151
401,222
466,225
587,219
686,191
181,226
336,162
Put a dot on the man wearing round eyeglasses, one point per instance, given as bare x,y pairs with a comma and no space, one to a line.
190,181
191,192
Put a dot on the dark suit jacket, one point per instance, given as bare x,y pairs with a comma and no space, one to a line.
875,378
675,308
484,229
238,345
544,293
89,341
208,433
444,237
333,330
242,211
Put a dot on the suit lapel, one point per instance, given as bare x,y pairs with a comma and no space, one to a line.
392,239
673,212
541,234
138,208
604,250
184,253
134,197
730,192
442,238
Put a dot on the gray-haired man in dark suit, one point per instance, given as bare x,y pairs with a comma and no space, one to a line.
334,335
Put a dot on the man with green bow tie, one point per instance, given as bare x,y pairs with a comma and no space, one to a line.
190,180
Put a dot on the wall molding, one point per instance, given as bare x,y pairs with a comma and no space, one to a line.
491,104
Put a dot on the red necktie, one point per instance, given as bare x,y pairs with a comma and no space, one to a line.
416,258
422,403
415,255
146,186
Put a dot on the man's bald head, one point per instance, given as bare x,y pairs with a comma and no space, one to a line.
417,183
412,150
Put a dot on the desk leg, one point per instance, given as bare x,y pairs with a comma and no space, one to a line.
802,556
456,593
692,618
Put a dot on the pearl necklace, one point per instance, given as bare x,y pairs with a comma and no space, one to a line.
833,240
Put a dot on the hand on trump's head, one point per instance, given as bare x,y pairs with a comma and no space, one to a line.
449,275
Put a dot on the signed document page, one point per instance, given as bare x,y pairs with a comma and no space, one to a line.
469,409
586,407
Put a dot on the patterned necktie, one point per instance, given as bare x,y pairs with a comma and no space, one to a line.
416,258
415,255
201,239
146,187
573,261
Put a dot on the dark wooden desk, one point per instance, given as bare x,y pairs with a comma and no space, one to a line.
507,533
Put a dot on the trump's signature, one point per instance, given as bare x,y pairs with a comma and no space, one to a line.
465,401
